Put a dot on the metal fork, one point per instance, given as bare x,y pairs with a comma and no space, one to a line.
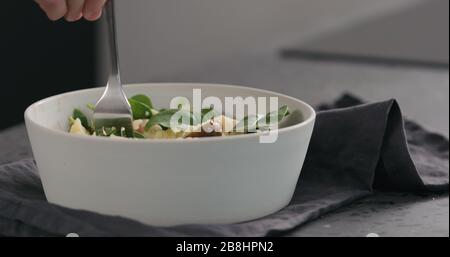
113,111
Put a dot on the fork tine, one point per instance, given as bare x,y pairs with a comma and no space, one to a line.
123,125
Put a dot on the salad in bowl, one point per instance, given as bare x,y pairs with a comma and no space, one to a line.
151,123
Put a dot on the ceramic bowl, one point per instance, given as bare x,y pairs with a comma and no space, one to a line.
166,182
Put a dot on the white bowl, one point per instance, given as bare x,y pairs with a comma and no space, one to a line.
168,182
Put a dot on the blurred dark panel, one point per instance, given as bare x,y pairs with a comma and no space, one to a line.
39,58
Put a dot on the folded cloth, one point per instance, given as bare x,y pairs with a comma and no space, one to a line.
355,149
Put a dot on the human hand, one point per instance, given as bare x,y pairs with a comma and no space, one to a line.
72,10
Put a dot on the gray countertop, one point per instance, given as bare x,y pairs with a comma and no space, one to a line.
385,214
422,93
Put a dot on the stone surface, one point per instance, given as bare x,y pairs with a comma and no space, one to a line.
385,215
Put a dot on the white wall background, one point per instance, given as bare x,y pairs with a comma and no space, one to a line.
165,36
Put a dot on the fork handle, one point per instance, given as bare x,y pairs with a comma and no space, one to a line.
113,46
117,99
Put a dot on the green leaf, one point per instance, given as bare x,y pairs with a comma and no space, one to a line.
107,132
91,107
205,115
248,124
254,122
144,100
138,135
140,110
77,114
71,121
209,113
182,103
164,117
275,117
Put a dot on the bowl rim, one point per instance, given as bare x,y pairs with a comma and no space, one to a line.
28,118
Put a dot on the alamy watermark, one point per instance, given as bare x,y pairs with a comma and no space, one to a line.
249,112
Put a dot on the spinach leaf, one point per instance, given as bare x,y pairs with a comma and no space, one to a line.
275,117
164,117
71,121
208,113
91,107
143,99
248,124
138,135
193,119
140,110
254,122
107,132
78,114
